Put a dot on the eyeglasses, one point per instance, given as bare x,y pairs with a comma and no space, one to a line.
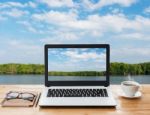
20,95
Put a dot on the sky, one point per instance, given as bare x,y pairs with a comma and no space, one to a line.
77,59
26,25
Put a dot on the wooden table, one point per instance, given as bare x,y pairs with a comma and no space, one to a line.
124,106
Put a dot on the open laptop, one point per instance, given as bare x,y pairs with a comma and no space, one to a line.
77,75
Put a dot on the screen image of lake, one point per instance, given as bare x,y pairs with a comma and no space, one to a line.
76,78
39,79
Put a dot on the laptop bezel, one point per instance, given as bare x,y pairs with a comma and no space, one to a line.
77,83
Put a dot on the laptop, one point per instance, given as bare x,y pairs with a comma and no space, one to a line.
77,75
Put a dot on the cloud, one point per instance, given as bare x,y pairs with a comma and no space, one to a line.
5,5
15,9
72,66
115,11
95,24
147,10
75,55
10,4
58,3
54,17
2,18
95,28
134,36
51,40
31,4
33,27
16,13
67,35
60,35
21,51
130,54
16,44
59,39
102,3
28,26
69,21
74,60
2,53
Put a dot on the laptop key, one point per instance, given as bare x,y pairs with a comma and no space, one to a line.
77,93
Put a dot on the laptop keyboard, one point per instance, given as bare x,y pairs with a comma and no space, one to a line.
77,93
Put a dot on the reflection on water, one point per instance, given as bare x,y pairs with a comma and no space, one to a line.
76,78
39,79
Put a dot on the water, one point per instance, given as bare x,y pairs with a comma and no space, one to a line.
21,79
39,79
76,78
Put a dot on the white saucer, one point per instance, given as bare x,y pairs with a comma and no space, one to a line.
137,95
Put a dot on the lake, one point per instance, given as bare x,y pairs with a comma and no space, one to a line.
39,79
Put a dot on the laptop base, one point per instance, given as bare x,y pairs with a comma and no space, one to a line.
76,101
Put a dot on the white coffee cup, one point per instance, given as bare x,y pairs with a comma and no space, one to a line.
130,88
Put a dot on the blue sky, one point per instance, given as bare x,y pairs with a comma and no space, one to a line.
75,59
25,26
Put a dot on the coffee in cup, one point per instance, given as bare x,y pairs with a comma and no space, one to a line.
130,88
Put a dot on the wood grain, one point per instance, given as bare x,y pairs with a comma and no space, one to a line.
124,106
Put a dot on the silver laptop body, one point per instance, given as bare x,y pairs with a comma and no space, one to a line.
77,75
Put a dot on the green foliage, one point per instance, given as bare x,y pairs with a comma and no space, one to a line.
115,69
133,69
21,69
77,73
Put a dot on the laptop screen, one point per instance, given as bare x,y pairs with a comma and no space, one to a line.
76,64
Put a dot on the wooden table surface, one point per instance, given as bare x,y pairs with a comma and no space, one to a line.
140,106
